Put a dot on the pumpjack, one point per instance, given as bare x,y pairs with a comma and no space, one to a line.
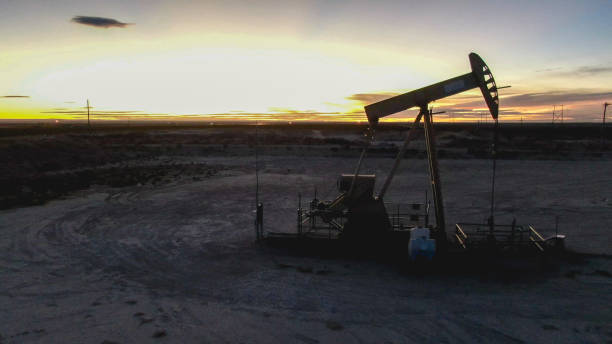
360,217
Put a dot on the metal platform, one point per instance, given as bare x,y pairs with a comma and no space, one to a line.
476,236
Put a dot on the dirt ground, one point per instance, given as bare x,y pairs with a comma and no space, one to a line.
173,258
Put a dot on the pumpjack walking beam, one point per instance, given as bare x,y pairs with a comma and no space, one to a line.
480,76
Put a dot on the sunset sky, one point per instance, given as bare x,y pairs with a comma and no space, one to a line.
297,60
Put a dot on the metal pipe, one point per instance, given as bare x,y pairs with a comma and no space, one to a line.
363,152
434,176
400,154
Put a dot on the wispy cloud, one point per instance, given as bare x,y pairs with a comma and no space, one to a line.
580,71
591,70
14,96
547,70
68,111
555,97
286,111
368,98
99,22
584,104
538,99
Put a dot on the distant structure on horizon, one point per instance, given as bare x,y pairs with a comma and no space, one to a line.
557,117
603,125
603,117
88,107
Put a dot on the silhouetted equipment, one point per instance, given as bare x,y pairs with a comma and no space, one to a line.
88,107
259,221
360,217
603,126
480,76
258,205
557,117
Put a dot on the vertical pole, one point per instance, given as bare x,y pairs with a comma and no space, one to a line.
256,164
313,206
258,206
259,221
561,114
604,115
400,155
398,216
426,209
299,219
370,137
603,127
350,192
494,153
434,177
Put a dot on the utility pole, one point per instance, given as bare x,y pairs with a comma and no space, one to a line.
603,125
88,107
557,117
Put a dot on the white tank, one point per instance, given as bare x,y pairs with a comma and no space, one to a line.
420,245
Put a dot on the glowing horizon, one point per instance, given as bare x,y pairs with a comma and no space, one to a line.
304,61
